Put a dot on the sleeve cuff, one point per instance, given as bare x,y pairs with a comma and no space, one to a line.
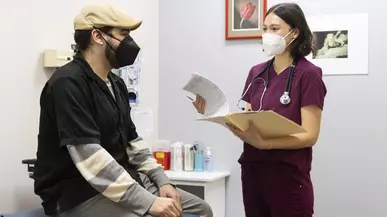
79,141
142,200
159,177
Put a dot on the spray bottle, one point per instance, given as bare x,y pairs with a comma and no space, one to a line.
208,160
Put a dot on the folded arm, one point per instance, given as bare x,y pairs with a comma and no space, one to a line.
141,157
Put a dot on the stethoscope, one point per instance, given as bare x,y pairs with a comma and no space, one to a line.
285,98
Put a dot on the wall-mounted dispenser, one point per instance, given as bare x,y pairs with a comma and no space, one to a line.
56,58
133,96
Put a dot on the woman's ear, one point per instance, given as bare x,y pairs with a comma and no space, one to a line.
296,33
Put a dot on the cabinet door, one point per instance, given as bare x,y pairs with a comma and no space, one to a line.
195,190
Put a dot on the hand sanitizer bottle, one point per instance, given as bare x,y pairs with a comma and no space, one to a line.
208,161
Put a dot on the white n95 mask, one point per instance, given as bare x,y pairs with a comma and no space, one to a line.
274,44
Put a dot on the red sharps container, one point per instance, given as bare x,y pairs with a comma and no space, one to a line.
163,154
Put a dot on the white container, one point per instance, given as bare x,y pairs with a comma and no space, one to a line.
188,158
177,157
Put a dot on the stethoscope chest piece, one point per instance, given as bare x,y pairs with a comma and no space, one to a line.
285,98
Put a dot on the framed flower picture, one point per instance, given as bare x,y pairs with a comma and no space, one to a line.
244,18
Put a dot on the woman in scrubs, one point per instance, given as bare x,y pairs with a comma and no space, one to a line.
276,172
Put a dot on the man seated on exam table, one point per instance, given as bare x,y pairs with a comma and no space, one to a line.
90,160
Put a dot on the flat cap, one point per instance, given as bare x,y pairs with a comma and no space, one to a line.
104,15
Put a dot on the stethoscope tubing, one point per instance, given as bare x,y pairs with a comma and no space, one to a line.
285,98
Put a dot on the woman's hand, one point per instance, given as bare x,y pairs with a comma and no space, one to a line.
251,136
199,104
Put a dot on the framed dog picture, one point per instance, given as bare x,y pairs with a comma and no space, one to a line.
244,18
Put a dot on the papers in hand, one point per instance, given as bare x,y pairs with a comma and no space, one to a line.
270,123
216,102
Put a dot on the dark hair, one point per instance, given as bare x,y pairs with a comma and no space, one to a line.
293,15
82,37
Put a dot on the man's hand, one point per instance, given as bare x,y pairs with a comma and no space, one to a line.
165,207
170,192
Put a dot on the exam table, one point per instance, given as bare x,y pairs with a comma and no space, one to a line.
39,212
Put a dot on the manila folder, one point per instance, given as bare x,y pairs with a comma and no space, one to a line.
269,123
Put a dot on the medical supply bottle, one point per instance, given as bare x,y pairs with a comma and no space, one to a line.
208,160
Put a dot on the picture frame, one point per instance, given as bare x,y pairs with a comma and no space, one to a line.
244,18
342,47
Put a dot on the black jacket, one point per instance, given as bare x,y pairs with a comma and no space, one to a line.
78,108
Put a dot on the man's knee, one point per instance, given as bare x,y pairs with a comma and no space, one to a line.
206,209
194,205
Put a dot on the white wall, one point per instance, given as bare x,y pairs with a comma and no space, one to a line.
349,159
27,28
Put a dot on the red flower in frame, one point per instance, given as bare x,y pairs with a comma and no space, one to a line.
246,12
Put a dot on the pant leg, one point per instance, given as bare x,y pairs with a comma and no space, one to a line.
100,206
190,203
253,185
291,191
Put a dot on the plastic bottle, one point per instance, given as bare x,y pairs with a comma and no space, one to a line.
208,161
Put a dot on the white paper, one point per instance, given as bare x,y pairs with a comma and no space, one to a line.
356,28
215,99
143,119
